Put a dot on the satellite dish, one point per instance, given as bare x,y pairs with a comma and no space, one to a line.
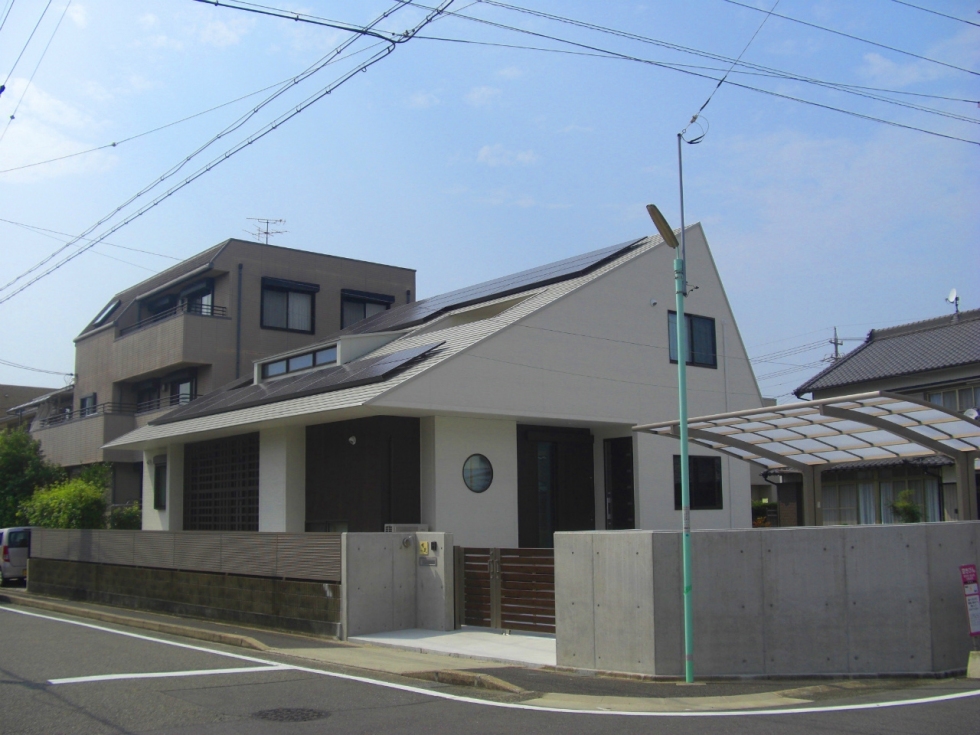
952,296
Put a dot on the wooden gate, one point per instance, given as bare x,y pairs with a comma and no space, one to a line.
512,589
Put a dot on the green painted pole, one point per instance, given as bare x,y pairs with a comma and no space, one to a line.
680,286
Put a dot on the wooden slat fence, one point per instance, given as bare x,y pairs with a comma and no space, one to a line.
306,556
513,589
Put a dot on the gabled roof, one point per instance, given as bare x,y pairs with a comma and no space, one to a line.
431,332
919,347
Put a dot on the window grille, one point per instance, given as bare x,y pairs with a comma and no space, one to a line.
221,484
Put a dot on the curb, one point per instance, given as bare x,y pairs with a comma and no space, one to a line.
186,631
468,679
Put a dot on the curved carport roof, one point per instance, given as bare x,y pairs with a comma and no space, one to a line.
834,432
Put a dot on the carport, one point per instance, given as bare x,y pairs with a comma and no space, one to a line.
831,433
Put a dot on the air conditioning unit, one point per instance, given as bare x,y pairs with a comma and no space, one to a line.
406,527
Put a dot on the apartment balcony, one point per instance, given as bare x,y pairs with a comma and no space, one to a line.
188,334
76,437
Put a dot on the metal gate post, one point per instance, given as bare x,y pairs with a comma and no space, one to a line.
494,567
459,587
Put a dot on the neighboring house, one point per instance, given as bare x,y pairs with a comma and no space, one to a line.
16,395
936,360
501,413
191,329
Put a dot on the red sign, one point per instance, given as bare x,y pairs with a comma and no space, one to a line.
968,573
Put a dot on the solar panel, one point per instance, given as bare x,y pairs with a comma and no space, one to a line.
409,315
324,380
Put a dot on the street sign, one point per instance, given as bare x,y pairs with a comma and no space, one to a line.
968,573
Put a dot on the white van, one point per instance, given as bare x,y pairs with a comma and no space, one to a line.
15,545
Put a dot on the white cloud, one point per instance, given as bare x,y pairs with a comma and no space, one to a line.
423,100
78,15
962,49
482,96
510,72
222,33
148,21
497,155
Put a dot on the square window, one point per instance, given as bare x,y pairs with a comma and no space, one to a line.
88,405
288,305
356,306
700,333
706,491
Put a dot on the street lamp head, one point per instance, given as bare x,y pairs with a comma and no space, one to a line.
662,227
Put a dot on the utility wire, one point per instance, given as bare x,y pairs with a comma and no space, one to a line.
117,143
858,38
36,67
616,54
44,232
332,57
33,369
258,135
721,81
6,13
26,44
936,12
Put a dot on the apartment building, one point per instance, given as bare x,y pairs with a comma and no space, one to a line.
192,329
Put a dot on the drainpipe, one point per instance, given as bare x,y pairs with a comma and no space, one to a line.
238,328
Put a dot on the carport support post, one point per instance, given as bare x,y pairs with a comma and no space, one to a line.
966,486
680,290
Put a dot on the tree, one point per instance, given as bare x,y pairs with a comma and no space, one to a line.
905,507
23,469
74,503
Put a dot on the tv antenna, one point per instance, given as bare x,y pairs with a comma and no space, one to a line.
267,232
954,299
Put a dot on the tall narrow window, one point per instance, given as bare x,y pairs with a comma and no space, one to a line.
701,350
288,305
160,482
88,405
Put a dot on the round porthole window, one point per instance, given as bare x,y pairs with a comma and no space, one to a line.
477,473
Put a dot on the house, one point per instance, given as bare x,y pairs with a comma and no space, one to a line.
17,395
191,329
935,360
500,413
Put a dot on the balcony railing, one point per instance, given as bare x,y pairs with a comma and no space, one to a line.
155,404
184,308
103,408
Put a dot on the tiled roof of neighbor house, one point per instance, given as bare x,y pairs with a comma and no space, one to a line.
39,399
933,344
432,331
129,295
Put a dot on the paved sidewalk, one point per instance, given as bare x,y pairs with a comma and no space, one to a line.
475,643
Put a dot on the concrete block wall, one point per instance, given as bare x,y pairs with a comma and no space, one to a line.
387,587
838,600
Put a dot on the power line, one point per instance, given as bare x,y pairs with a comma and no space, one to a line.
44,232
6,14
26,44
117,143
36,67
33,369
258,135
858,38
616,54
936,12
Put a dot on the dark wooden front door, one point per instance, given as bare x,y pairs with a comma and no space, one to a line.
618,455
362,474
555,488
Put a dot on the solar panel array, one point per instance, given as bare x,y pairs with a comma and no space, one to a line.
325,380
410,315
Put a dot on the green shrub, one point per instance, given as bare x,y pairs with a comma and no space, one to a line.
905,507
98,474
71,504
22,470
126,517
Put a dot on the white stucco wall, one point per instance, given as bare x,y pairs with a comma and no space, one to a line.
171,518
475,519
282,479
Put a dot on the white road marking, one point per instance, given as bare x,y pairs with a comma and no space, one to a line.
165,674
515,705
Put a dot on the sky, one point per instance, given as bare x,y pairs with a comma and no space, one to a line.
496,140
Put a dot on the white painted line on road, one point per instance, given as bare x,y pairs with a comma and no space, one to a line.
165,674
516,705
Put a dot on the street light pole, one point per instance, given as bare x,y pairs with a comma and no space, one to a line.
680,291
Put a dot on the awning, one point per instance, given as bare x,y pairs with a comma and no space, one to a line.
833,431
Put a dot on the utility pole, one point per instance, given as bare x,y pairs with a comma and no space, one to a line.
260,233
836,342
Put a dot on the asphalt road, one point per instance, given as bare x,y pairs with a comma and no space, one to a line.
39,652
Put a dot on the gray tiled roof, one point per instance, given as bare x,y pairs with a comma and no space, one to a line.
933,344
